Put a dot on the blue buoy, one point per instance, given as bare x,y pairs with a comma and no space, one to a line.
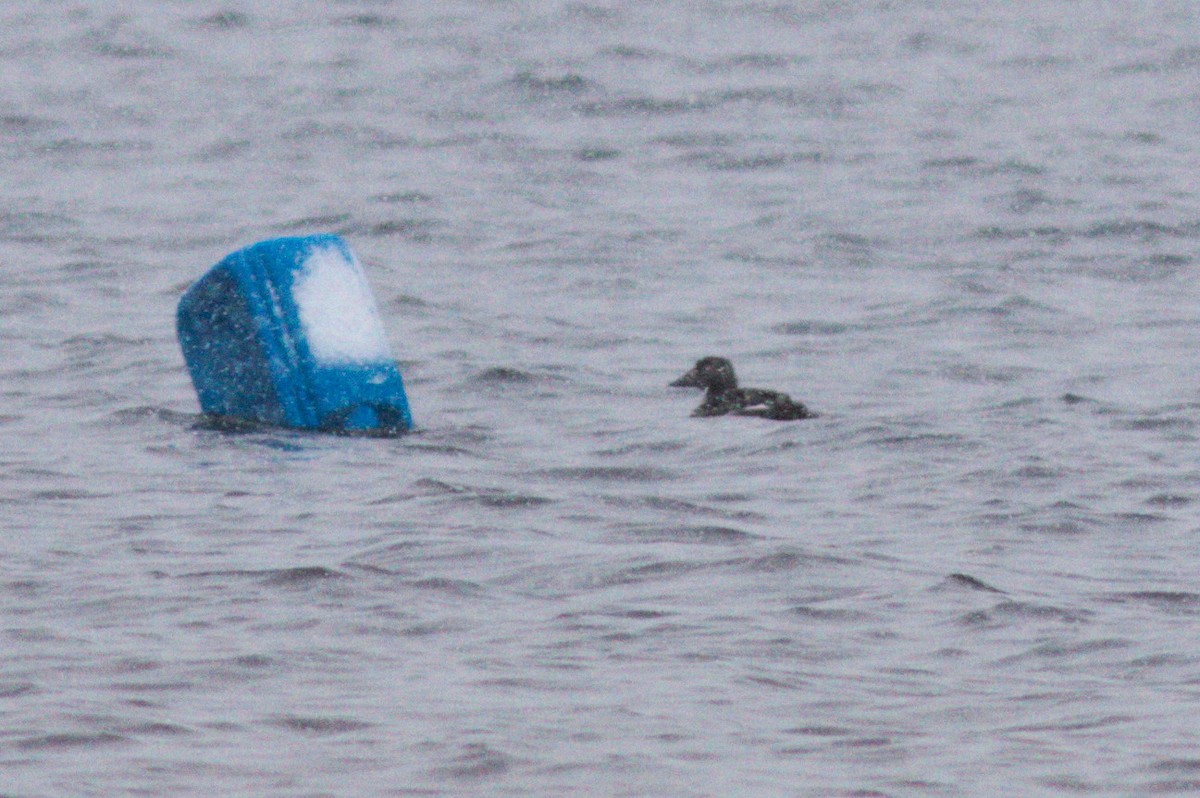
286,333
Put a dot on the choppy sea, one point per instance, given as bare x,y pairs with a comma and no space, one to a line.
965,234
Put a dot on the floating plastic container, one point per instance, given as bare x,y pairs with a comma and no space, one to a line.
286,333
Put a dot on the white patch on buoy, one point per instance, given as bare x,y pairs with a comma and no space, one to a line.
337,310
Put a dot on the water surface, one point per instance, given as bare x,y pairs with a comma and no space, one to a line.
966,237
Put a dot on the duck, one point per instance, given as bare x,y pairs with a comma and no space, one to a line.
724,397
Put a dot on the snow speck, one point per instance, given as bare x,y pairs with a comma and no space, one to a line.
337,310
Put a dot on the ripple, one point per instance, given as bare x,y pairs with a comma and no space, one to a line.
300,576
488,497
1169,500
865,742
953,162
417,229
1180,59
659,570
610,474
367,20
708,535
810,328
924,440
1157,423
67,494
778,562
125,43
827,614
478,761
1041,232
158,729
452,587
724,162
225,20
568,83
1180,786
969,582
1061,650
1008,611
820,731
762,62
1026,200
503,375
20,123
588,154
976,374
1177,765
643,106
319,726
1084,724
673,506
70,740
1174,602
1143,229
16,690
306,224
644,448
34,226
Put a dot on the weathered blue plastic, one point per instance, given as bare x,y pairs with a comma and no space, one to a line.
262,349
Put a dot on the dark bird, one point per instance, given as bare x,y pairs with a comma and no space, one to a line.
723,396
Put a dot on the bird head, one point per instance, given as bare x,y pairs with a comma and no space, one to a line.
709,372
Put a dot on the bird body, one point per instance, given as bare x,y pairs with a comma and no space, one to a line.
723,396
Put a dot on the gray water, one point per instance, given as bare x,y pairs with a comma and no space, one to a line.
965,234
